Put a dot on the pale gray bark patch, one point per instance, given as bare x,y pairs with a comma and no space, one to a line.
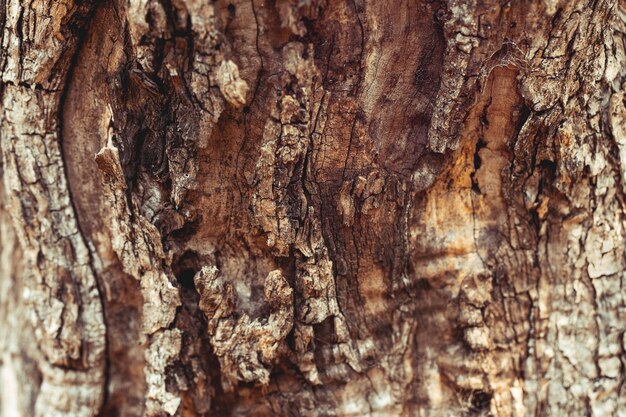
245,348
59,295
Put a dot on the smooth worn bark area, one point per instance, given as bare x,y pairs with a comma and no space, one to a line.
312,208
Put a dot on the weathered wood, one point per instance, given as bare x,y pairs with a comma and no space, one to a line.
316,208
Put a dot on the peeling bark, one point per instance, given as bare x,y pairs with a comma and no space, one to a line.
316,208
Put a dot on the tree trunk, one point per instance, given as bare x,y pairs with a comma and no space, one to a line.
313,208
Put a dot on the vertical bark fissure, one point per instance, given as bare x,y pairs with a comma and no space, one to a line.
80,39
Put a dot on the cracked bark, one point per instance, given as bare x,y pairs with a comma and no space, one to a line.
315,208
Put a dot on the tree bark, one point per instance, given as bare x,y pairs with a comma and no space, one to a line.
312,208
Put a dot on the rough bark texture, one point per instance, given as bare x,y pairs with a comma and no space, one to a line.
312,208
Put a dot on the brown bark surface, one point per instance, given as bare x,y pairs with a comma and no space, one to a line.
312,208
